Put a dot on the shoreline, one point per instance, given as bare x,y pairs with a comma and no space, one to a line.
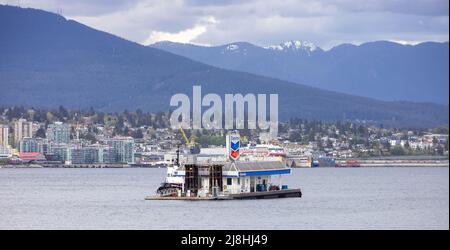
423,161
375,162
384,165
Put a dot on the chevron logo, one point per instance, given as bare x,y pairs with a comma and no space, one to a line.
235,154
235,145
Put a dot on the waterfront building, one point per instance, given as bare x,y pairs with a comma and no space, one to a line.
5,152
4,134
107,154
124,147
31,145
93,154
28,145
43,146
31,157
22,129
61,152
58,132
85,155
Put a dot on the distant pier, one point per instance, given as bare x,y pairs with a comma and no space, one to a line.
405,161
66,166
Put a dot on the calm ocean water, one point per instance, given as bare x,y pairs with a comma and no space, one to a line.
364,198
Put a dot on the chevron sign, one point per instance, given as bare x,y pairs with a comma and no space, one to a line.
235,144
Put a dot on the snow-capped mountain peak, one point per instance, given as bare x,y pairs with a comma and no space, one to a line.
294,45
232,47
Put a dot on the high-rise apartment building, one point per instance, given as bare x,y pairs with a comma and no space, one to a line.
4,134
22,129
58,133
124,148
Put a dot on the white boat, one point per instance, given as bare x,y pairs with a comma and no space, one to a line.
174,179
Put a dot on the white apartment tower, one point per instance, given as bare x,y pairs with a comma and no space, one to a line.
58,132
4,133
22,129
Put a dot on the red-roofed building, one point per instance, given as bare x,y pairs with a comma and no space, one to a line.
27,157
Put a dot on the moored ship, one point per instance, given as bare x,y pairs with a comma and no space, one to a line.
231,179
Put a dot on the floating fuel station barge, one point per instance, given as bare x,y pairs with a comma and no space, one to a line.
231,179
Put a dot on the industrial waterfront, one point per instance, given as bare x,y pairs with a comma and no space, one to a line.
350,198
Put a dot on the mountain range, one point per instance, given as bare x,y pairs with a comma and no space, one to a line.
47,61
382,70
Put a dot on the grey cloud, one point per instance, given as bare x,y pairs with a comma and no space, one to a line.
411,7
213,3
79,7
263,22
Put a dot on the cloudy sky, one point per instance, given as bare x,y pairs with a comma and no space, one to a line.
323,22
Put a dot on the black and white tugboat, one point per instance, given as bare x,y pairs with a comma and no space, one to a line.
173,183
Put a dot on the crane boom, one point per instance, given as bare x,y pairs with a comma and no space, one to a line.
193,147
188,142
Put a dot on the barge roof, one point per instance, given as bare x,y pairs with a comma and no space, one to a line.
246,166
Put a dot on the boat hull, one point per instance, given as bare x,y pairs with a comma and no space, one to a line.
286,193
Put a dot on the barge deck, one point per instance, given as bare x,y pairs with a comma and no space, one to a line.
286,193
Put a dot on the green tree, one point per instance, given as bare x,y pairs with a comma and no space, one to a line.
137,134
295,136
63,114
398,150
89,136
441,130
329,144
40,133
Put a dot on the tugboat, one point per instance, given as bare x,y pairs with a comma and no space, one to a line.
169,189
172,184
